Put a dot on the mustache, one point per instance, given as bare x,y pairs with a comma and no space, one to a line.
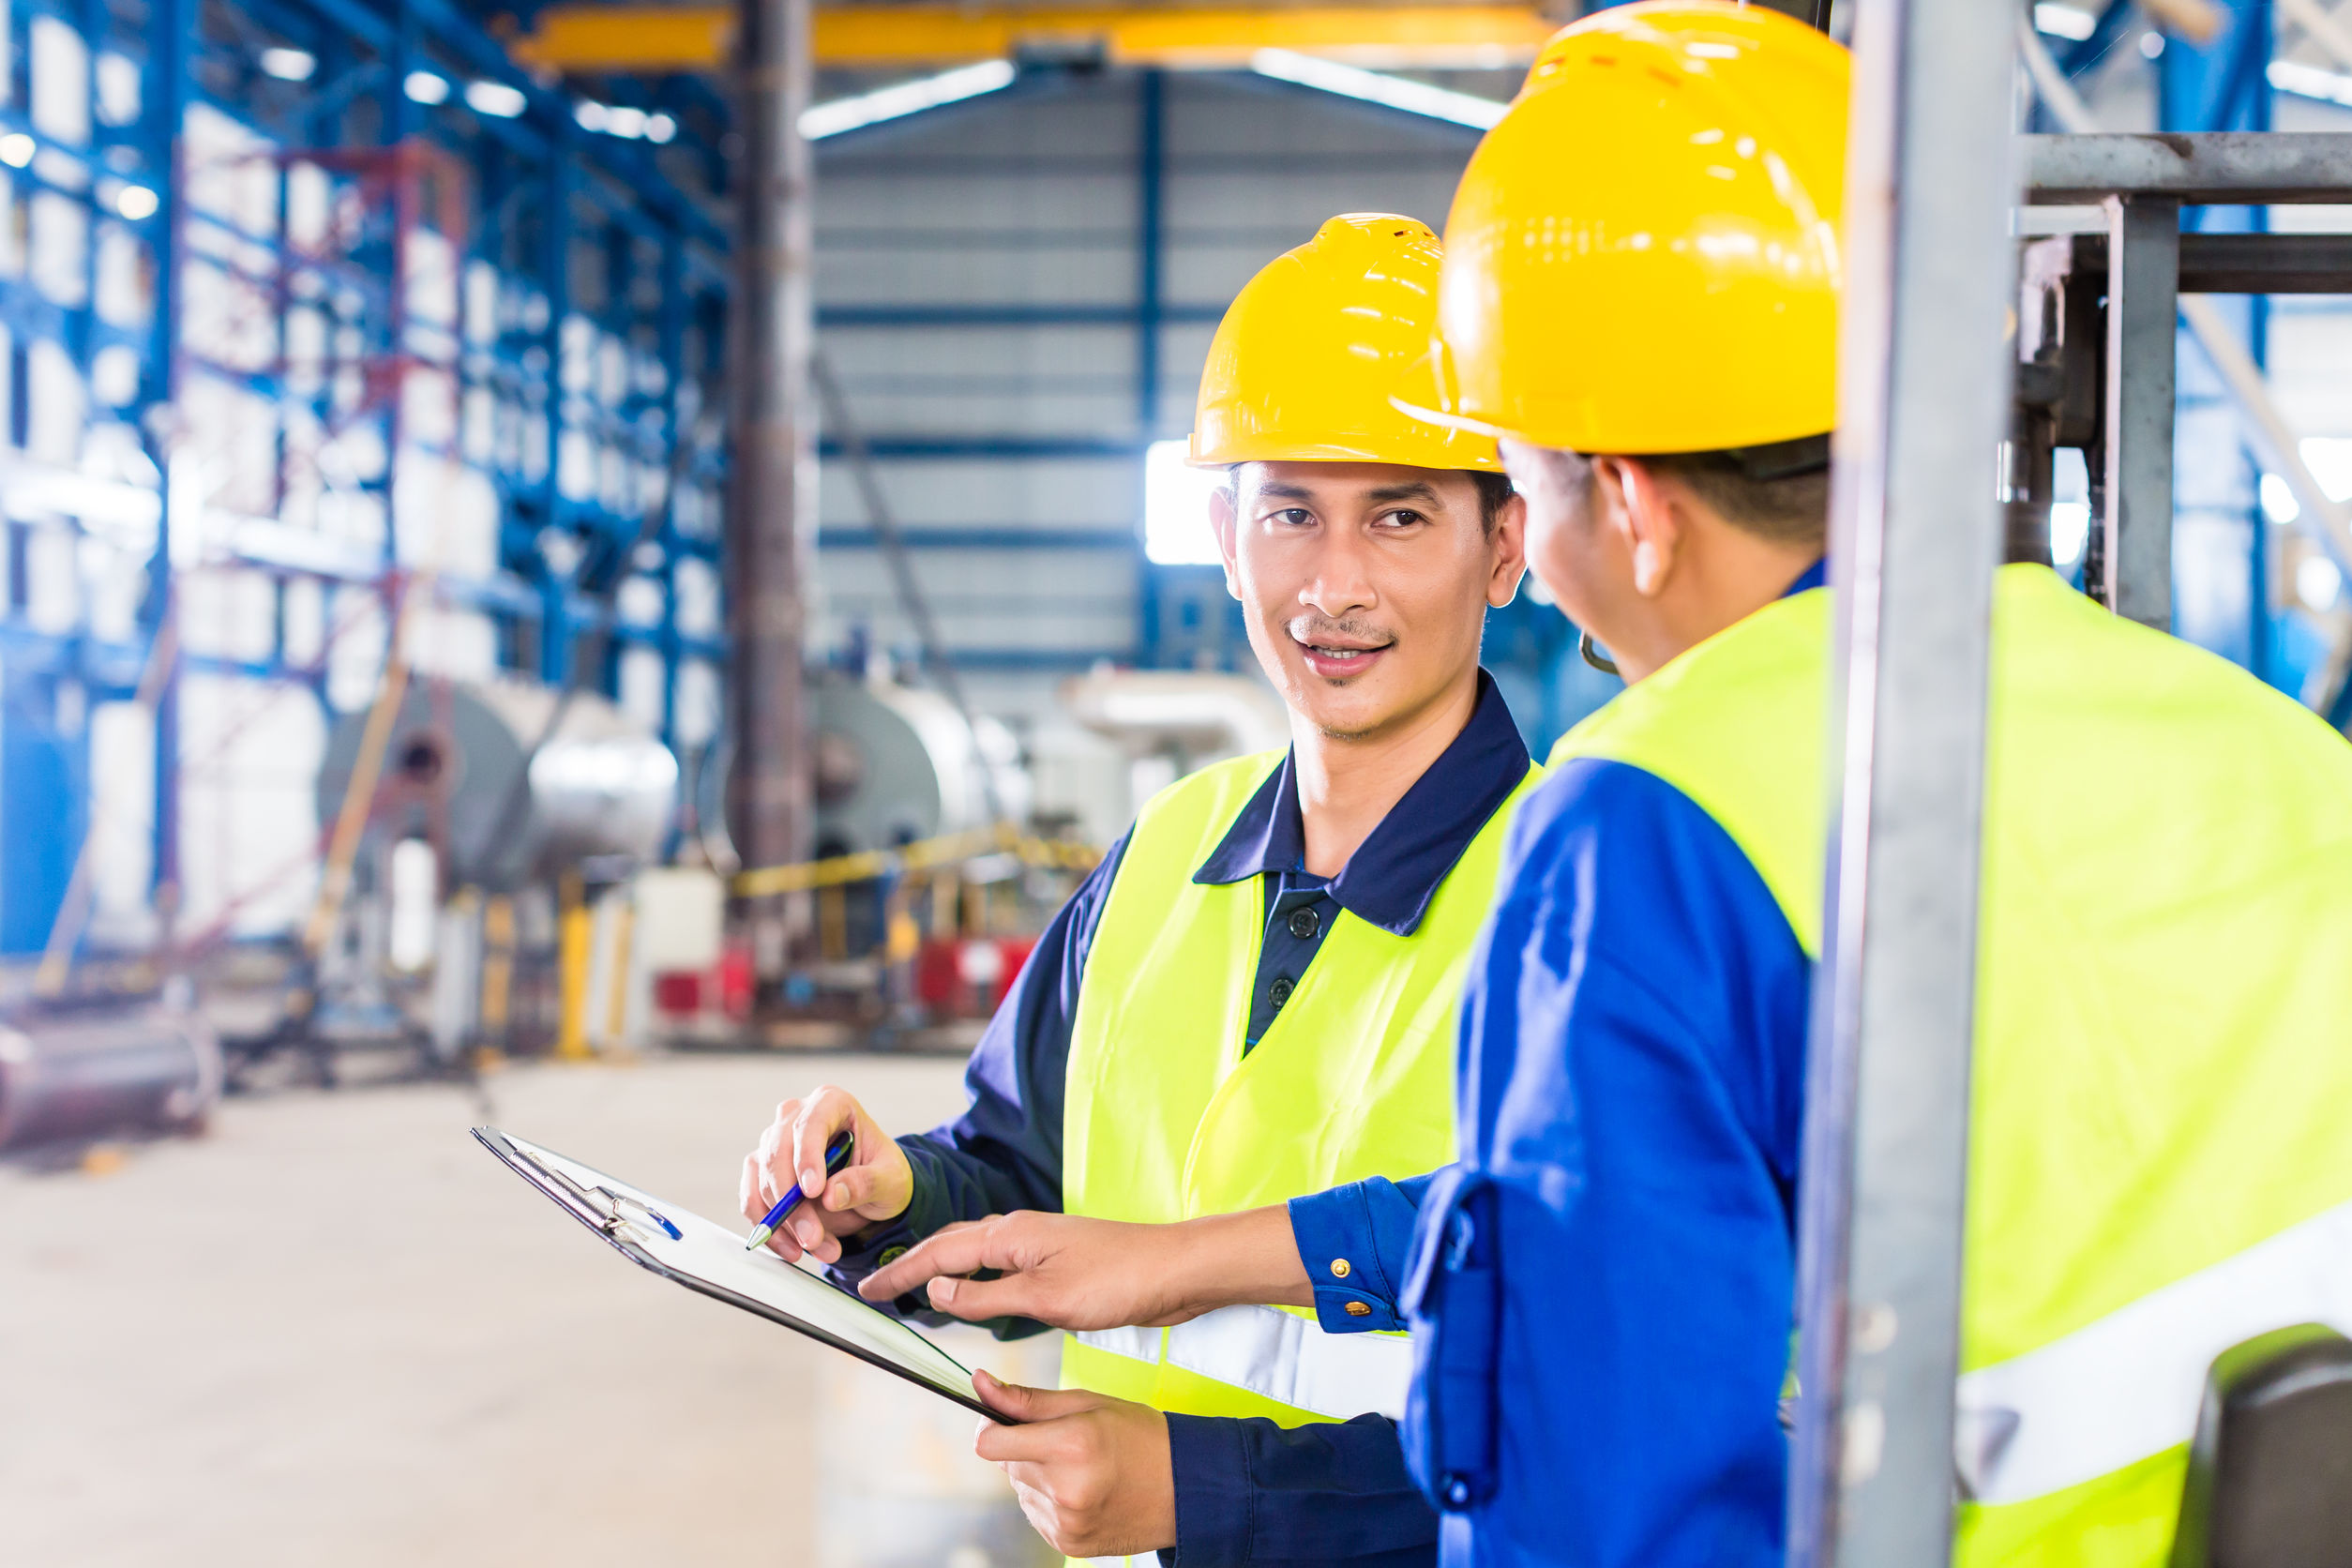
1312,629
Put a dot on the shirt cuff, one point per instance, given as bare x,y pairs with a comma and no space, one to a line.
1353,1241
1214,1497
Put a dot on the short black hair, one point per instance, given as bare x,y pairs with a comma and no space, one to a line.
1493,491
1787,510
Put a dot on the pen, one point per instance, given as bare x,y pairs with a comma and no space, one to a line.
836,1155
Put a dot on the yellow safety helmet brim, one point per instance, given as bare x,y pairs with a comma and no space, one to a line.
1643,255
1310,360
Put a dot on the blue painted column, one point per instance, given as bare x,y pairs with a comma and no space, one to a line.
1151,170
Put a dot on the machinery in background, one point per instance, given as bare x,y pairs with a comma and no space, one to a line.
1170,722
499,817
77,1071
923,905
897,764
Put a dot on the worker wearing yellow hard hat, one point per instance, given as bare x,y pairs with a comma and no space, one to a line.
1639,298
1253,998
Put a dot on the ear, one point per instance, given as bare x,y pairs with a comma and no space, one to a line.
1507,552
1222,523
1642,511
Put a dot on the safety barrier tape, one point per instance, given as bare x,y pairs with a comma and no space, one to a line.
922,855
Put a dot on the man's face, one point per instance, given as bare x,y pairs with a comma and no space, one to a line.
1365,585
1584,567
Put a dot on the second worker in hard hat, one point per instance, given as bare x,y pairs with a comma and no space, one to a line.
1252,996
1600,1288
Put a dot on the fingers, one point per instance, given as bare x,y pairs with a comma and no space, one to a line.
827,1111
976,1300
954,1249
772,1155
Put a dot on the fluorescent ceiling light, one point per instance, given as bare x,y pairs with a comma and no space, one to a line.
2319,583
904,98
424,87
495,98
136,201
1176,495
289,65
625,122
2063,21
1372,86
659,127
17,149
2309,82
2330,459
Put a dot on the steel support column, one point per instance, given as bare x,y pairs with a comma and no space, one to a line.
2134,555
1916,532
772,502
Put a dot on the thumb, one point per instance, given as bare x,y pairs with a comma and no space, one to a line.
1018,1403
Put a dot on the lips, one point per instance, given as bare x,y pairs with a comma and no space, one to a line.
1338,661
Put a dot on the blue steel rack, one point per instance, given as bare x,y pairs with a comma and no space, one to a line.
577,223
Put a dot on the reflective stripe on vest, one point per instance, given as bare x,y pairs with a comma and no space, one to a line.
2163,1024
1167,1116
1281,1358
2128,1386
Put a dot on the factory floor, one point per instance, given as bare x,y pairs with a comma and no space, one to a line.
335,1330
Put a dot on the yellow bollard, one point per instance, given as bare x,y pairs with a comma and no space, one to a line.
575,934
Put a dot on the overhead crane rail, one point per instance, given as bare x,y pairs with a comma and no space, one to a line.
657,37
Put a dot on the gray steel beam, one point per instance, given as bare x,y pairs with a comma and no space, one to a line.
772,498
2143,312
1916,533
2221,167
2265,263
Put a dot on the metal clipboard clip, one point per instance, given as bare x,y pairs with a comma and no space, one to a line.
621,1215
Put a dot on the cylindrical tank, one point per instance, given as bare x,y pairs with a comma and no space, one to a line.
894,764
600,785
86,1071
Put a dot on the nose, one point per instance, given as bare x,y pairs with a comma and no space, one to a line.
1339,580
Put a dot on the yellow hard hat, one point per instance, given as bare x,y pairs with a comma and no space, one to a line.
1643,255
1318,350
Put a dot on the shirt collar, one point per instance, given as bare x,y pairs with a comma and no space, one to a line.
1396,870
1816,576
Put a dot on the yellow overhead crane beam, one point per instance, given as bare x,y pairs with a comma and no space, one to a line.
658,38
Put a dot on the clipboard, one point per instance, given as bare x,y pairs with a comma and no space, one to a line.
710,1260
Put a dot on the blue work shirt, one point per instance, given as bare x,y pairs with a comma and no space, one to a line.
1246,1490
1600,1290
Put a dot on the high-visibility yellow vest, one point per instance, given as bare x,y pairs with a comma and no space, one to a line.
2159,1165
1165,1119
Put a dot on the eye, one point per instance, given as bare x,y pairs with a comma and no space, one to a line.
1404,517
1291,516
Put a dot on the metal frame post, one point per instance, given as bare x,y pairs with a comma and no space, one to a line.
1916,532
772,501
2143,306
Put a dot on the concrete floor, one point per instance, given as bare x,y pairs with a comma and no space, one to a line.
336,1330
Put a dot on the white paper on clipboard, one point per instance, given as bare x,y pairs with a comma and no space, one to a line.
711,1260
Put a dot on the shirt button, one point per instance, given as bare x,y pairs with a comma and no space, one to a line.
1357,1309
1341,1268
1279,992
1305,924
891,1255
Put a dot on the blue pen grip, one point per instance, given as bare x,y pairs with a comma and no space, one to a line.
836,1155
